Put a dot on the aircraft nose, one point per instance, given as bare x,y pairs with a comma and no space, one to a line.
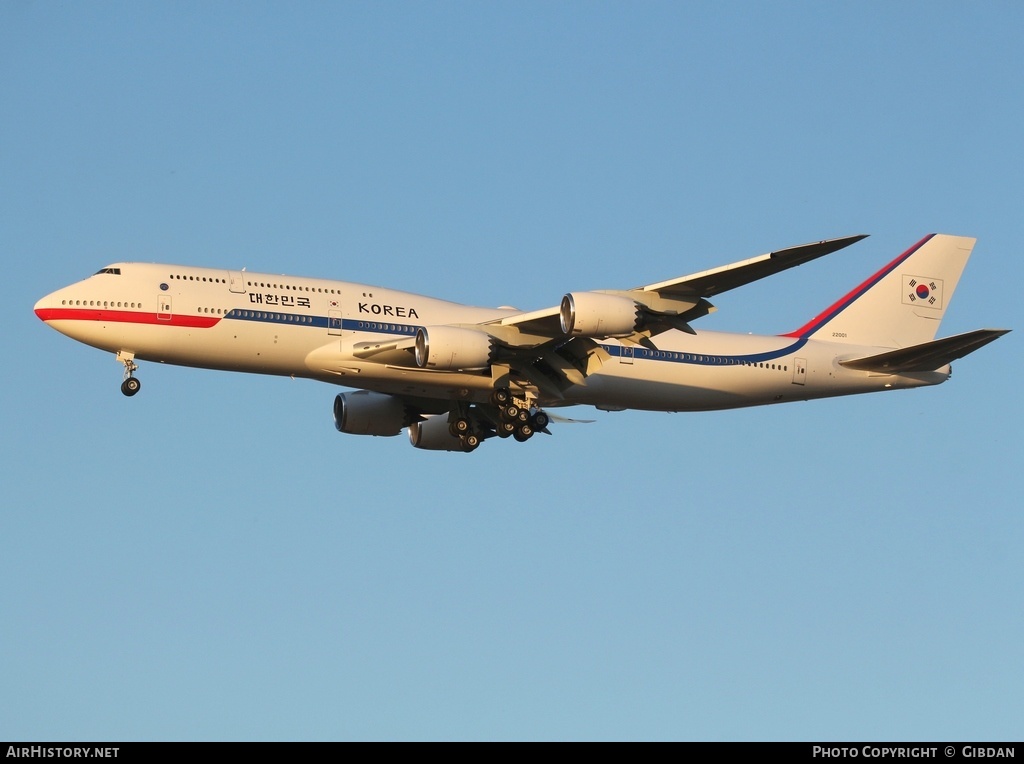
44,306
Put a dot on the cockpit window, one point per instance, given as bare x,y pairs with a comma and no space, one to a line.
113,271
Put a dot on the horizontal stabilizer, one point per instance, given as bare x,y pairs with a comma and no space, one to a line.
928,356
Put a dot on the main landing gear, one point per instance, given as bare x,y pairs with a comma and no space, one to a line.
130,385
505,416
515,419
462,428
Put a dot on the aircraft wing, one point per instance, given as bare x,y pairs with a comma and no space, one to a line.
717,280
542,323
673,303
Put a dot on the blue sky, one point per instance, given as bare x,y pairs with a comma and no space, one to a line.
211,560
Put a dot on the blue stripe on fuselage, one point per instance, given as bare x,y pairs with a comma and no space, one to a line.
267,317
704,359
320,322
615,351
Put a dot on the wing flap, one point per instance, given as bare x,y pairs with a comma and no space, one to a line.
928,356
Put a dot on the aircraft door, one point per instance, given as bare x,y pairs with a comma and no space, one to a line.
799,371
236,282
334,322
164,312
625,354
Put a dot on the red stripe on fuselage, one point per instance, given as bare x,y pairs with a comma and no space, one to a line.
126,317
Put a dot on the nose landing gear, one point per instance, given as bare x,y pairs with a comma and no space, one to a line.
130,385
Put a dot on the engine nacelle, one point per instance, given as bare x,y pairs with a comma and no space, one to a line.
433,435
369,413
452,348
592,314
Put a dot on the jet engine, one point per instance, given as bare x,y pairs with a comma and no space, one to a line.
452,349
369,413
433,434
592,314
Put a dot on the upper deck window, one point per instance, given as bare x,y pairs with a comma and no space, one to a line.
113,271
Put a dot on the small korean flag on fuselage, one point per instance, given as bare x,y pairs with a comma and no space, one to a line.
922,291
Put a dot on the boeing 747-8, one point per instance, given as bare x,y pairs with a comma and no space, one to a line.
455,375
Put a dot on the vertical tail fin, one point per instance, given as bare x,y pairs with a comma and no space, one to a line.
900,305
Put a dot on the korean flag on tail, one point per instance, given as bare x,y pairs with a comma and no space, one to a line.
922,291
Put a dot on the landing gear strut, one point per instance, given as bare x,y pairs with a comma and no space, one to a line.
130,385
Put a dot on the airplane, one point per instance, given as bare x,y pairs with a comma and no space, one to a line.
454,375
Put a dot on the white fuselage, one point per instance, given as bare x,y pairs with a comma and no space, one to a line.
305,327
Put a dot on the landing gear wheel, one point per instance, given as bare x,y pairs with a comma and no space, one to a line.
130,385
460,426
505,429
501,396
523,433
511,412
470,442
540,420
